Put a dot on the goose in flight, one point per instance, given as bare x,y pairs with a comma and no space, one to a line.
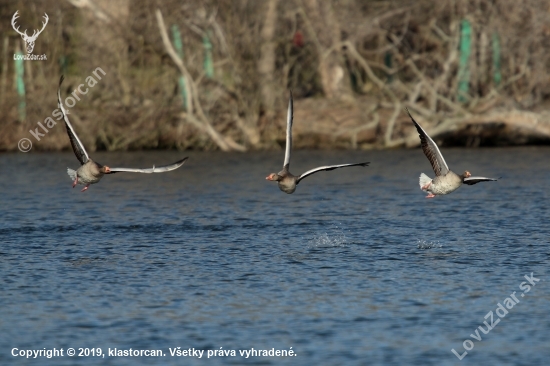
445,181
91,172
285,179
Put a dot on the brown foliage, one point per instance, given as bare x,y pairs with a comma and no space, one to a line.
337,52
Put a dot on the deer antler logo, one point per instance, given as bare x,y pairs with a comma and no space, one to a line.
29,41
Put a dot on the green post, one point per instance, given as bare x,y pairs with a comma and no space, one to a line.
388,61
20,85
497,76
463,69
208,63
63,64
4,68
179,48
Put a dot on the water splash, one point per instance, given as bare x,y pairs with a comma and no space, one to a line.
335,238
423,244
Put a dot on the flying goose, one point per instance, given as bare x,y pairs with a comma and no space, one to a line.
286,181
91,172
445,181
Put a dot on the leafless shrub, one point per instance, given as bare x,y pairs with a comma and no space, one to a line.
370,59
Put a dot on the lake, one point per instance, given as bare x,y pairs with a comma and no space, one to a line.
355,268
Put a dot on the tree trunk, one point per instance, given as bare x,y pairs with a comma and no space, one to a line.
325,30
104,44
266,63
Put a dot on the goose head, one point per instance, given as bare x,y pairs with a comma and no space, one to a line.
274,177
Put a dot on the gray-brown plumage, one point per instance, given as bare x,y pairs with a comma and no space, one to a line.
445,181
91,172
286,181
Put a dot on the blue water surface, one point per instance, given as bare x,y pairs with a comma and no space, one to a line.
355,268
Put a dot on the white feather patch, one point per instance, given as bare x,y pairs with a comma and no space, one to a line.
423,180
72,173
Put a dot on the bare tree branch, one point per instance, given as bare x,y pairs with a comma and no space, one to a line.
223,143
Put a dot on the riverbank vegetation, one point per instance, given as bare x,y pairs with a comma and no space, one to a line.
216,74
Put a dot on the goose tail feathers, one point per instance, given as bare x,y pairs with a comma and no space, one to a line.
423,180
72,173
